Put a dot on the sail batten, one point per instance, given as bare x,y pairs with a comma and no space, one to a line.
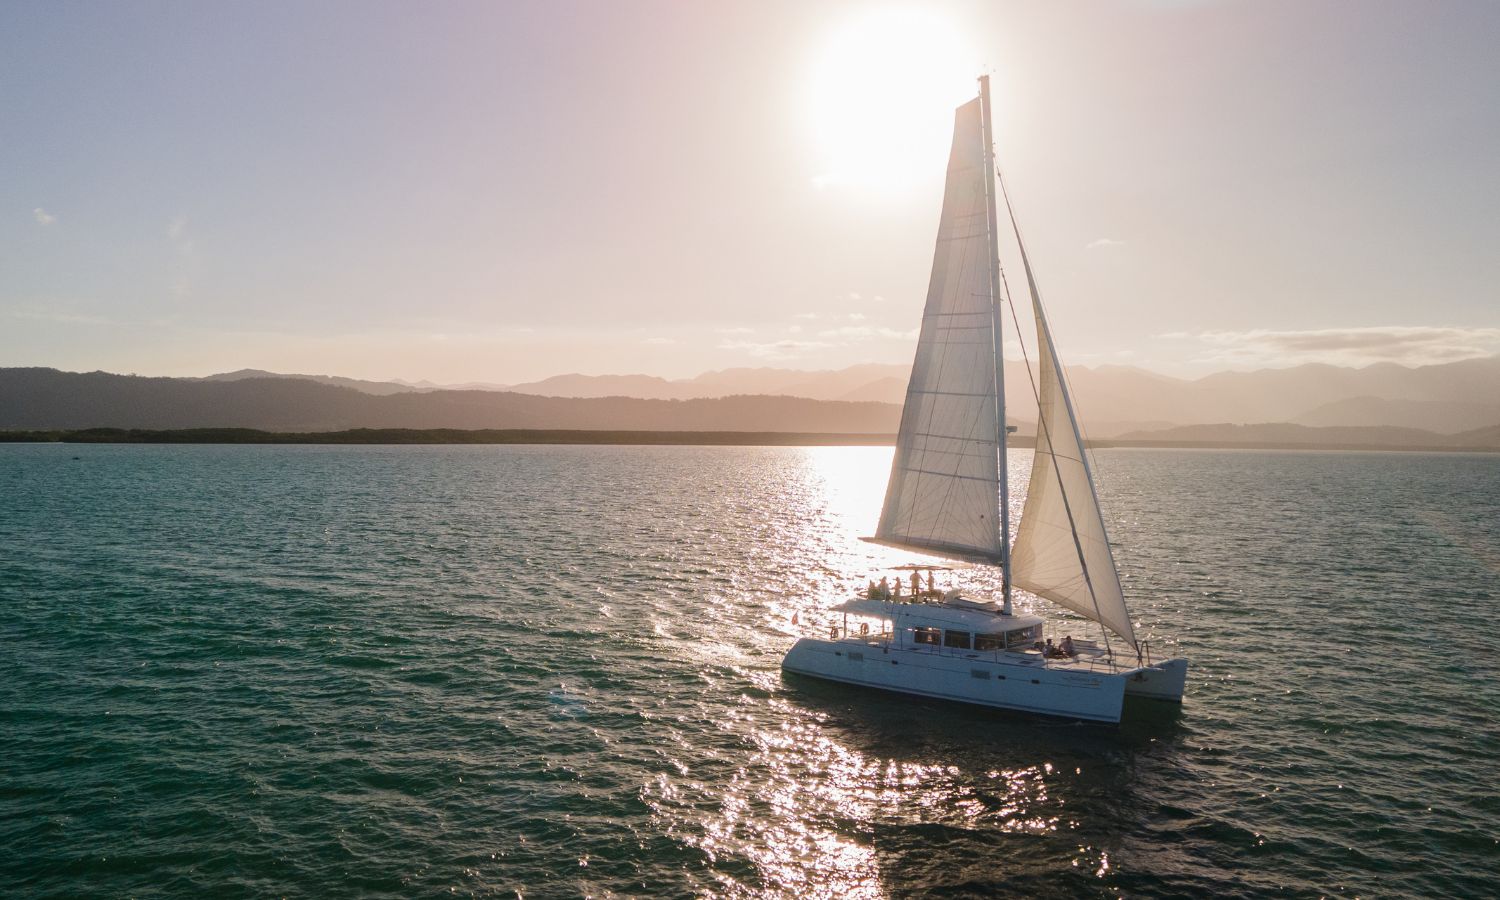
942,495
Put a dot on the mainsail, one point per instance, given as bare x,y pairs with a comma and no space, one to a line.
945,477
1061,550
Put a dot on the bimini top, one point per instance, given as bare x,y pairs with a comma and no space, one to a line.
982,618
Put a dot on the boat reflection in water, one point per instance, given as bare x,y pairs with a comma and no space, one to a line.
849,795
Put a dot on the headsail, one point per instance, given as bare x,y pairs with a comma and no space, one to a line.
1061,550
943,494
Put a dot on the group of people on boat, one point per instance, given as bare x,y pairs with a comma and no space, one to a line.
1063,650
884,590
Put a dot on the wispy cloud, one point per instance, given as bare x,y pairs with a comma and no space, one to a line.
1409,345
1103,242
61,317
738,329
185,257
867,332
43,218
785,349
662,341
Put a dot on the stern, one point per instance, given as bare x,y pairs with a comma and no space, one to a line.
1165,680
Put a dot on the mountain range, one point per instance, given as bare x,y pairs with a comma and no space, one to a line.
1430,403
1112,400
49,399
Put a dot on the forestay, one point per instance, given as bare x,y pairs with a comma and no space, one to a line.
1061,550
944,487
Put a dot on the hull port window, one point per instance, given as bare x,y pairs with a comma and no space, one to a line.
924,636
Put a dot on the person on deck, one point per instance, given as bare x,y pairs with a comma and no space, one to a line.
885,588
916,585
931,585
1067,646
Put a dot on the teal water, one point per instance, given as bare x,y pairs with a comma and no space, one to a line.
553,671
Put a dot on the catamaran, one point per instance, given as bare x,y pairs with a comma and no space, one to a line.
948,496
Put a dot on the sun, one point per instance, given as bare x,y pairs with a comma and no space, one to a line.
881,96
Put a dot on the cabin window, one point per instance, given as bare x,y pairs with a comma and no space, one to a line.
1023,637
925,636
989,642
960,639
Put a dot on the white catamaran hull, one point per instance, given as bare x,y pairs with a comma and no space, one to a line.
983,679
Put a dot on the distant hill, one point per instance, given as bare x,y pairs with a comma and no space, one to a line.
1286,434
379,388
1112,400
1478,438
1435,415
884,390
49,399
832,384
645,387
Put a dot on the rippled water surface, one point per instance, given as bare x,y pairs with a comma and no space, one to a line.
553,671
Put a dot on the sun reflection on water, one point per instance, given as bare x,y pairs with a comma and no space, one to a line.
805,808
802,799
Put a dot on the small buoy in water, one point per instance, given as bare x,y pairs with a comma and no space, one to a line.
794,619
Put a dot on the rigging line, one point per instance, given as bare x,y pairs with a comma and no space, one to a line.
1045,429
1091,463
1062,376
1060,384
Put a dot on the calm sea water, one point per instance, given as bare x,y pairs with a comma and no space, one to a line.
553,671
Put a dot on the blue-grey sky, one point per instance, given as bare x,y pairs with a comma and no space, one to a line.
504,191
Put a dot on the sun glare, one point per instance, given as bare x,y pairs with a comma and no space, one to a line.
881,98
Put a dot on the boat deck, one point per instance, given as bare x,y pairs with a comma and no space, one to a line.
1091,657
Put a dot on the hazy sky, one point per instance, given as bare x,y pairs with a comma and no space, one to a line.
503,191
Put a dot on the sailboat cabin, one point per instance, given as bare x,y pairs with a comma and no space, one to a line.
942,627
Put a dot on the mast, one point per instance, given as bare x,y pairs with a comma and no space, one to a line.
994,248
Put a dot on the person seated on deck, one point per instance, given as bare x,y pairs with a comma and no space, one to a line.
1053,652
872,592
1067,647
